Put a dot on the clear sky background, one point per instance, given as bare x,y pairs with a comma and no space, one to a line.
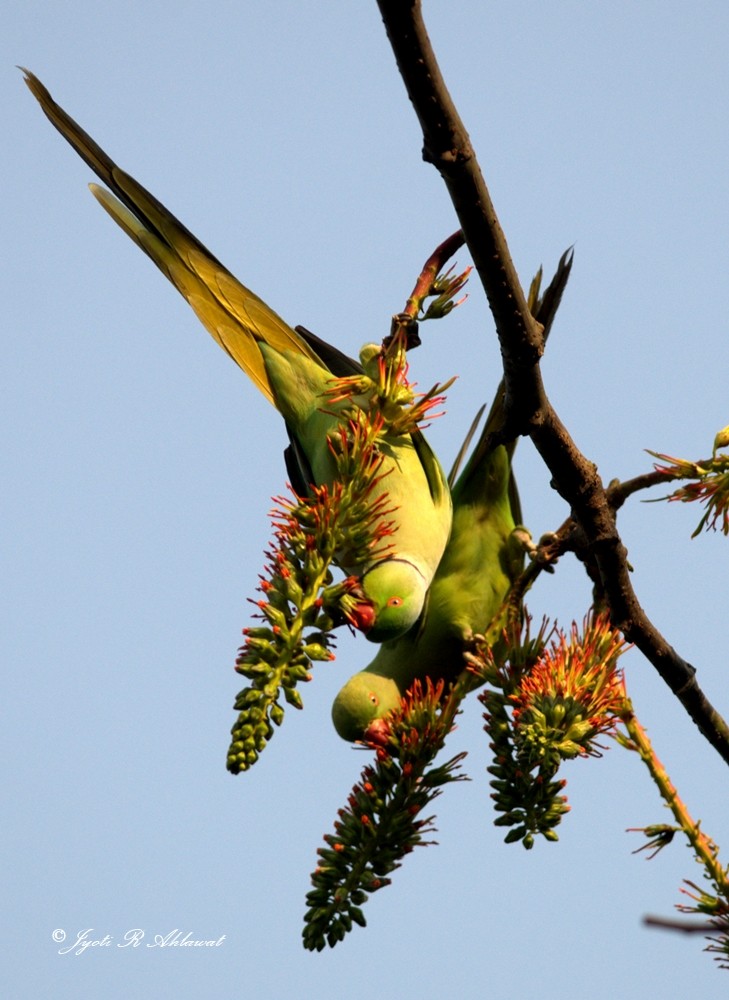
139,463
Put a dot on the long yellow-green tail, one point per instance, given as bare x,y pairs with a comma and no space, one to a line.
236,317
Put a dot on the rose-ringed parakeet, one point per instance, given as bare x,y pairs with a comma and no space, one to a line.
481,562
293,370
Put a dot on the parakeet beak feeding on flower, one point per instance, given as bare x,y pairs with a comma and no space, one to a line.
362,616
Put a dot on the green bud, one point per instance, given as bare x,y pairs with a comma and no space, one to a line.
368,358
721,440
336,933
316,651
293,591
513,835
293,697
275,616
258,632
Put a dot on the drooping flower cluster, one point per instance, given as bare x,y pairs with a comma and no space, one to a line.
571,695
382,821
301,604
549,705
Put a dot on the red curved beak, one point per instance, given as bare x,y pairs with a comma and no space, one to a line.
377,733
362,616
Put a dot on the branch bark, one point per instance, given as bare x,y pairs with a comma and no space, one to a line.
528,410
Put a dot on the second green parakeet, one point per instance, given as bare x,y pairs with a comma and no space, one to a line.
481,561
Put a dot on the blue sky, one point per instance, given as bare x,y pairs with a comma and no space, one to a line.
140,465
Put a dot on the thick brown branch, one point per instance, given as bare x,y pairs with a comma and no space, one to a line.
447,146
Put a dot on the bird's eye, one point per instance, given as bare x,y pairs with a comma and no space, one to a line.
374,699
394,602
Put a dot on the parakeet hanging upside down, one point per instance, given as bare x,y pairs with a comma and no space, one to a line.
293,372
481,562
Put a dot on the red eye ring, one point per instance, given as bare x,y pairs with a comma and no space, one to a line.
395,602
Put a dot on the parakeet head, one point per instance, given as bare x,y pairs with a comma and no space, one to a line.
364,698
397,592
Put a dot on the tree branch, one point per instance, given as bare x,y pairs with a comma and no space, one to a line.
528,411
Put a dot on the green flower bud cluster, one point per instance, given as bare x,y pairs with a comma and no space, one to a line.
547,706
301,605
443,290
380,823
384,393
556,731
529,802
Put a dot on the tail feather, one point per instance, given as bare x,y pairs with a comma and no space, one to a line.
235,316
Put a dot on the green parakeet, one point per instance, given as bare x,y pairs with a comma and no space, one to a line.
292,369
480,563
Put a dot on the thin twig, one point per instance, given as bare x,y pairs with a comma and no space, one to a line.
618,492
683,926
431,269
